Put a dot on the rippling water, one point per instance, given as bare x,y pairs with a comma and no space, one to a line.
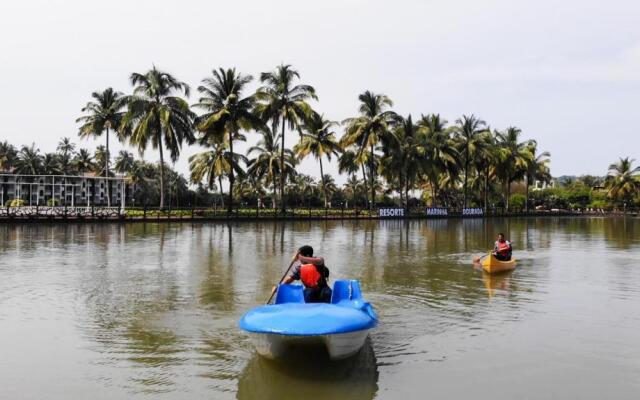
108,311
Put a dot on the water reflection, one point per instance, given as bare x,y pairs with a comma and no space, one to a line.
493,282
152,309
311,374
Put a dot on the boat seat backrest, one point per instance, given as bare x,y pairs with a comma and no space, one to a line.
345,290
289,294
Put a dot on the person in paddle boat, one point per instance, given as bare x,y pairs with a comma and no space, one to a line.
502,248
313,274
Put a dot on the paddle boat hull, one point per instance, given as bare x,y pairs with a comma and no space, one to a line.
492,265
339,346
342,326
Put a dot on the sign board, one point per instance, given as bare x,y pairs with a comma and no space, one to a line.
473,211
438,212
391,212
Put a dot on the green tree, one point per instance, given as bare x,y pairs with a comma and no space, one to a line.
66,151
154,115
537,168
404,156
442,158
469,134
318,139
226,113
622,182
102,115
8,156
515,158
83,161
124,162
284,104
368,128
266,163
29,160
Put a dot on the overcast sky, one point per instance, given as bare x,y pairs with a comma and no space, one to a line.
566,72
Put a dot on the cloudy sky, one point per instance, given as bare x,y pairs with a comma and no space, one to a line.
566,72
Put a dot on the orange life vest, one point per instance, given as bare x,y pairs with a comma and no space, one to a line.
504,247
310,276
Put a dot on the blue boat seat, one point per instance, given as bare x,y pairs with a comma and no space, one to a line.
289,294
346,290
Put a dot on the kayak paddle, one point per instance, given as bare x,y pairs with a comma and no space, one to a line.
477,260
283,276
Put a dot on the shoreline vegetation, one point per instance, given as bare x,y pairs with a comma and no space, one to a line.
390,160
113,214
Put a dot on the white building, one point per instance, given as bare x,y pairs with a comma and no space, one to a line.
68,190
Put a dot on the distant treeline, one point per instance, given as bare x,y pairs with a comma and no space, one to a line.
388,157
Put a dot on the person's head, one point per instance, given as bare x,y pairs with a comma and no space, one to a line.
501,237
306,251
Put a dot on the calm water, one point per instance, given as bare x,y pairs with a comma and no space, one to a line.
111,311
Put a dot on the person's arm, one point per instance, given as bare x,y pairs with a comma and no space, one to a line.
311,260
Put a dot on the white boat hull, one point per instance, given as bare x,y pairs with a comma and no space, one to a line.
339,345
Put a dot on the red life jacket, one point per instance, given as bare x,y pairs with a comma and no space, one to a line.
504,247
310,276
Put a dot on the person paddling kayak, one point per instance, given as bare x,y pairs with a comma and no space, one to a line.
502,248
313,274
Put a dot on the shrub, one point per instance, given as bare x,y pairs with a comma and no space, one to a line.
16,203
517,201
53,202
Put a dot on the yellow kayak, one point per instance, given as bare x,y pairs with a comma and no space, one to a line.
493,265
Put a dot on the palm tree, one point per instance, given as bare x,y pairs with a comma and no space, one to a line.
485,163
100,160
283,103
8,156
623,181
353,186
515,158
266,164
50,164
29,160
404,156
66,150
442,156
537,168
469,131
155,115
226,113
319,140
103,114
124,162
83,161
367,129
350,161
215,163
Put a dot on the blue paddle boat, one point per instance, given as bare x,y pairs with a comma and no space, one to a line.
342,326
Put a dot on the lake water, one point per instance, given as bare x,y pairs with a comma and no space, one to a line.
150,311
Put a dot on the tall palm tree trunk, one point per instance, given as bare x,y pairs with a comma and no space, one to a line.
373,185
466,174
526,195
273,197
324,186
232,178
486,189
282,205
106,172
221,192
161,172
508,193
366,188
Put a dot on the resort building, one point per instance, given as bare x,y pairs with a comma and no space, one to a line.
65,190
540,185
